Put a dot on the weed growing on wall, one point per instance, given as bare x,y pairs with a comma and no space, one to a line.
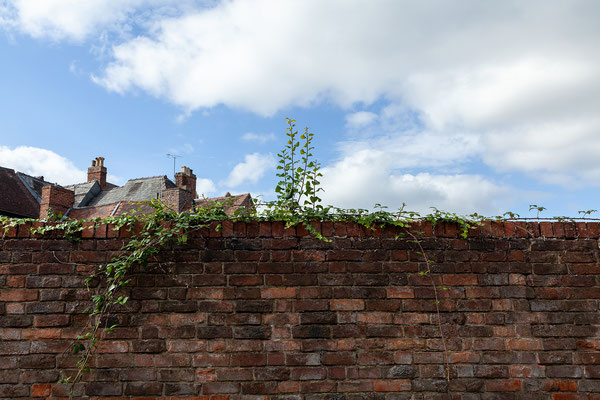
299,174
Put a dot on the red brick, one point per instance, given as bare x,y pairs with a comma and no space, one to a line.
375,318
248,359
40,390
560,386
308,373
239,229
278,293
503,385
392,385
211,360
206,293
317,387
358,386
245,280
460,280
264,229
347,304
572,396
340,229
338,358
42,333
352,229
593,229
87,257
18,295
327,228
400,292
526,371
220,387
546,229
289,387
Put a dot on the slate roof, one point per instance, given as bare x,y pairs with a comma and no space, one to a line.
34,184
110,210
230,203
141,189
20,194
84,192
92,212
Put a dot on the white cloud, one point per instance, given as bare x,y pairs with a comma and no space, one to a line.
205,187
534,115
7,15
250,170
260,138
368,177
41,162
67,19
77,20
360,119
260,56
562,151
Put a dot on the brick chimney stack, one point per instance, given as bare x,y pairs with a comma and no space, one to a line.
178,199
97,172
186,180
56,198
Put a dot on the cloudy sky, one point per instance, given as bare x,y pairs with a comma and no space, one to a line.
468,106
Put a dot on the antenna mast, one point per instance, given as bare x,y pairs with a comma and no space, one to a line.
174,157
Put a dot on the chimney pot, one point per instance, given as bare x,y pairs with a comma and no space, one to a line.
97,172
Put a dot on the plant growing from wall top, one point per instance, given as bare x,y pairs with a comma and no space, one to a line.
298,187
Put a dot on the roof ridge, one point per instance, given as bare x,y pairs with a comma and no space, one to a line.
37,178
148,177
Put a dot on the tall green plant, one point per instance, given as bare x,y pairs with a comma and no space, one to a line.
298,173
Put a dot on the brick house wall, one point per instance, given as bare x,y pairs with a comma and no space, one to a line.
56,198
256,311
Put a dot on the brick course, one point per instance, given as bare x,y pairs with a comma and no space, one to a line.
258,311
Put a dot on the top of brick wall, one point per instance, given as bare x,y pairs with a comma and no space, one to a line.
495,229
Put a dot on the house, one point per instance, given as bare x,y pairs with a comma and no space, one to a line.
20,194
98,198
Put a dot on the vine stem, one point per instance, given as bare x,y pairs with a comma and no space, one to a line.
437,301
306,146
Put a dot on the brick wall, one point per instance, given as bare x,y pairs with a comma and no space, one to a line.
257,311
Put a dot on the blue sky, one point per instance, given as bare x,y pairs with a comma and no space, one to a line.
467,106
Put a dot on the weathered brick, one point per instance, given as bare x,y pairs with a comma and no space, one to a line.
248,359
308,373
18,295
347,304
503,385
278,293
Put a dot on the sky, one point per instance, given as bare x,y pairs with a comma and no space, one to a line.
466,105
